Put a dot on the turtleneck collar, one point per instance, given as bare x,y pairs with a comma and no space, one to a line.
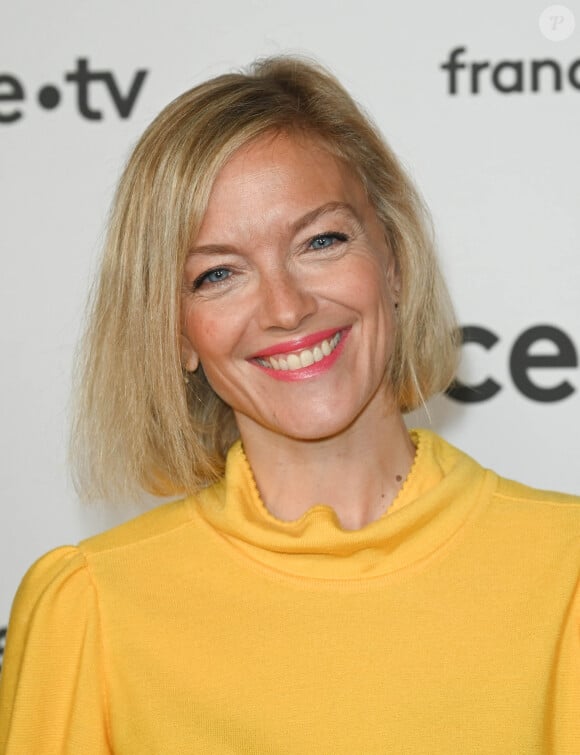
439,496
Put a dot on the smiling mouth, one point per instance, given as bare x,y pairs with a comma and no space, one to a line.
300,359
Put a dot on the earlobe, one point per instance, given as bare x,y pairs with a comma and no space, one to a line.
189,357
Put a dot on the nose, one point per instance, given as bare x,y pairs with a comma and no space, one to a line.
285,301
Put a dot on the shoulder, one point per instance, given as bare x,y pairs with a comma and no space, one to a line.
161,523
515,492
555,515
449,457
73,576
62,572
508,496
159,544
56,594
66,571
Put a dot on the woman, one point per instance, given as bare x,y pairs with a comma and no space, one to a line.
268,308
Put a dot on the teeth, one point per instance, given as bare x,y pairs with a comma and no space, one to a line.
293,361
305,358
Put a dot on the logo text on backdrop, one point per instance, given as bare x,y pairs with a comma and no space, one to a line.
84,81
524,364
508,76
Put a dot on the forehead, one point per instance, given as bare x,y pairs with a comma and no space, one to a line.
279,177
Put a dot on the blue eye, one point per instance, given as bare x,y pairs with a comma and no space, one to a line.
217,275
325,240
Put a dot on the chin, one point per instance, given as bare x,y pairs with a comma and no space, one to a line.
315,428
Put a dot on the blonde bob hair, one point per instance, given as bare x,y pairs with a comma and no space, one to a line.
139,425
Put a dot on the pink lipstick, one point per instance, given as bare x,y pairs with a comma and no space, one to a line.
302,358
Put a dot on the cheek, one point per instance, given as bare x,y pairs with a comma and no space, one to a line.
213,335
198,325
200,339
368,286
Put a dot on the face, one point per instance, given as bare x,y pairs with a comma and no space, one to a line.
289,293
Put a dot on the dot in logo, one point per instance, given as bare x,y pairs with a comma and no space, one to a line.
49,97
557,23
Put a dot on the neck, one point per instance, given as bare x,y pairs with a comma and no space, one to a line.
357,473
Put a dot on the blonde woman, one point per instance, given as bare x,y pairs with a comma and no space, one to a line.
268,308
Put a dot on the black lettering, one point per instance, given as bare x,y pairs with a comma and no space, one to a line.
2,640
11,90
539,64
572,74
470,394
521,361
475,71
517,85
453,66
125,104
510,76
82,77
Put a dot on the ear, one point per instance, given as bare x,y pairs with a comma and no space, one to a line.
189,357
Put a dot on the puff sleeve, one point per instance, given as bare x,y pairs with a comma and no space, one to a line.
52,686
564,726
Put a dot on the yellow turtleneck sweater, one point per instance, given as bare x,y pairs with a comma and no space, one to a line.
451,625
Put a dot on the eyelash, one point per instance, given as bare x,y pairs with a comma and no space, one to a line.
203,278
334,235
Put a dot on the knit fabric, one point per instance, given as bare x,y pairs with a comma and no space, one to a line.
450,625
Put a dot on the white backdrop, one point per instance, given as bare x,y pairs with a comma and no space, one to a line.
498,169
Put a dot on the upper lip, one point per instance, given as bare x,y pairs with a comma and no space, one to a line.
297,344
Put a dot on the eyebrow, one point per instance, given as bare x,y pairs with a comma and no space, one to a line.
296,227
324,209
